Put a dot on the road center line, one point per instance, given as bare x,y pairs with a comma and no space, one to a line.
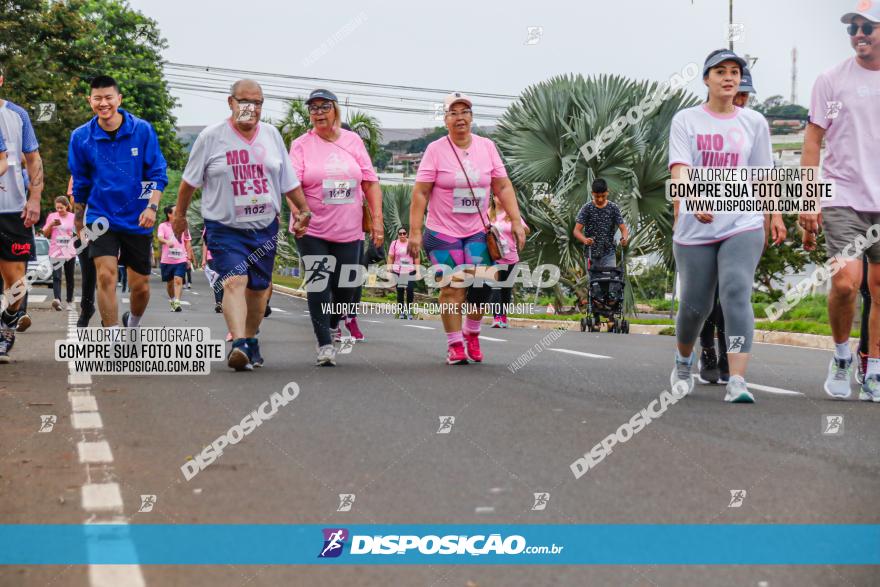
581,354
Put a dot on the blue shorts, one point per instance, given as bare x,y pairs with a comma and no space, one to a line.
243,251
172,270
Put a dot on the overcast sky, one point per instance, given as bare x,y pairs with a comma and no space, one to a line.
480,46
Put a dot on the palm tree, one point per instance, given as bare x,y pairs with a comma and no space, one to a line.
541,136
368,128
296,121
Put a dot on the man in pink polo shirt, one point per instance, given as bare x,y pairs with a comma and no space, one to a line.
845,111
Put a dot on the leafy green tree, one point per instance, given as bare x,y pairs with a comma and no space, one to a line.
295,122
49,51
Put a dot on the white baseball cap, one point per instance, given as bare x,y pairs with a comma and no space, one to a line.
454,98
868,9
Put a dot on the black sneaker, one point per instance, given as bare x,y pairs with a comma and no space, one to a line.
125,318
268,311
7,339
253,346
218,307
85,314
708,366
239,357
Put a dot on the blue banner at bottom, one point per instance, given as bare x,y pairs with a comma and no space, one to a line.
425,544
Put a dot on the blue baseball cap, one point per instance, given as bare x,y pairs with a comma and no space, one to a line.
745,82
720,56
322,95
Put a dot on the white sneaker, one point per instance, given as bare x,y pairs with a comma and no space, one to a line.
738,392
870,390
681,380
57,305
326,356
837,381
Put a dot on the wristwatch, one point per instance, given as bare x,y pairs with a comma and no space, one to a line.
153,207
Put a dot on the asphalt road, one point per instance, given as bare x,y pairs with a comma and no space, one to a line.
369,427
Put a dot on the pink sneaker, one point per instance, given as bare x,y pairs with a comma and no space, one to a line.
354,329
456,355
336,334
504,323
473,347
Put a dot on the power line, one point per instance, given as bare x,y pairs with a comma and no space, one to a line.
208,68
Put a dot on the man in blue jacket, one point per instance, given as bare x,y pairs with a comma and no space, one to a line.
118,177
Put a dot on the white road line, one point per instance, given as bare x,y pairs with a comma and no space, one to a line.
84,403
279,310
116,576
769,389
94,452
581,354
36,299
492,339
195,293
86,420
422,327
101,497
373,321
484,509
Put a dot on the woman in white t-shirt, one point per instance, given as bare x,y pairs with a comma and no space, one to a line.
718,249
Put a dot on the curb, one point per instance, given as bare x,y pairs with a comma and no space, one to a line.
798,339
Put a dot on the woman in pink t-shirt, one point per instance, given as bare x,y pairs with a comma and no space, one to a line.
502,294
337,176
176,254
59,229
404,268
456,174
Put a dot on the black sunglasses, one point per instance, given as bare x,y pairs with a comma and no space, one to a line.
867,28
401,234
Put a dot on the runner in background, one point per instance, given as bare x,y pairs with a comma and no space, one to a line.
88,275
845,112
174,259
455,227
211,273
502,294
712,367
404,269
718,249
597,222
59,229
243,169
337,177
122,276
19,211
119,174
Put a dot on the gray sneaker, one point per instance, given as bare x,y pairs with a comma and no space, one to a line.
837,381
681,379
326,356
870,390
738,392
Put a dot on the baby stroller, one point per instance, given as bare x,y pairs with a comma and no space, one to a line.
605,297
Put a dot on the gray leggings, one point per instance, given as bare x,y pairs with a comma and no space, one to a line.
731,265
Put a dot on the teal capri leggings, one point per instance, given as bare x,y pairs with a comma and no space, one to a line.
731,265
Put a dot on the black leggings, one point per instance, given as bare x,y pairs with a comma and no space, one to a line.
67,268
501,295
707,334
89,278
122,276
317,275
407,288
866,308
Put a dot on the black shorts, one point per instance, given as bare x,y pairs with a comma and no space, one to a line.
16,241
134,250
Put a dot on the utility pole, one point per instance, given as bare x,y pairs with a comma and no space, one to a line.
794,75
730,26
